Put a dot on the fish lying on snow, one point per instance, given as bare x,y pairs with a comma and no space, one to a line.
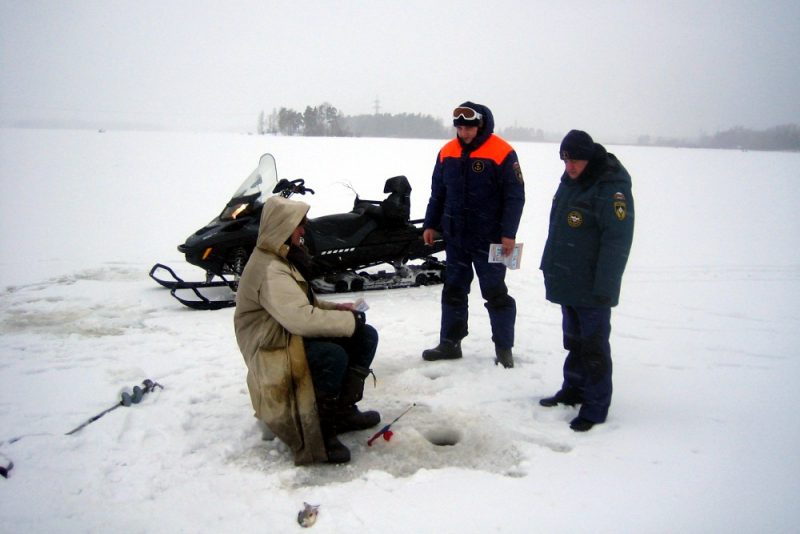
308,515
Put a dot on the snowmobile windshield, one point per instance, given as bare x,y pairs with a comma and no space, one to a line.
249,195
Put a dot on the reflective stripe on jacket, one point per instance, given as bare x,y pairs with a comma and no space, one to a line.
477,196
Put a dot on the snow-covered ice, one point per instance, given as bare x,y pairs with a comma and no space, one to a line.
700,437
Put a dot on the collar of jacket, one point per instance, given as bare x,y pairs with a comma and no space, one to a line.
476,143
594,169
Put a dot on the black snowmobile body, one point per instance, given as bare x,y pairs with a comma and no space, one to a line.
372,233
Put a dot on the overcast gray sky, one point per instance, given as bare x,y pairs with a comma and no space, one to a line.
671,68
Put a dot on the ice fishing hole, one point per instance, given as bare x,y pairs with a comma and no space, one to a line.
443,437
433,375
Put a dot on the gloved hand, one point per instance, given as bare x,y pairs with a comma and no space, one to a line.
361,318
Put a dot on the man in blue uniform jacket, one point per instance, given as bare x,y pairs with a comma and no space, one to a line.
477,196
591,230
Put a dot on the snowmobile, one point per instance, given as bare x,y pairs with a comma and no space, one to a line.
342,245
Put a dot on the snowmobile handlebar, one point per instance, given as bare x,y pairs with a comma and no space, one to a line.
287,188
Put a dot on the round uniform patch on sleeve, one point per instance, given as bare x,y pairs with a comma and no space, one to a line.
518,172
574,219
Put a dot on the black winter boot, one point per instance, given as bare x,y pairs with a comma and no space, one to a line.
446,350
570,398
504,357
327,405
580,424
348,416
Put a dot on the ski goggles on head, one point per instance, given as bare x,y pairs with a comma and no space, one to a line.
466,114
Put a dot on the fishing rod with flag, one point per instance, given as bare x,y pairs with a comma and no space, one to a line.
386,430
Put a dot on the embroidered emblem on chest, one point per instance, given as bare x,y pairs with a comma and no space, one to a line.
574,219
478,166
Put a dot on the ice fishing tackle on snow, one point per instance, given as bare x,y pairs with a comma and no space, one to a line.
341,245
126,399
6,465
386,431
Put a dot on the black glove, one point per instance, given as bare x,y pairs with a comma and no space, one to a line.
361,319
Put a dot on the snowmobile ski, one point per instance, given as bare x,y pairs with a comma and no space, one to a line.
209,295
176,282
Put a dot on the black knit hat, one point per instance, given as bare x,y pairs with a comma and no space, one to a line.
578,145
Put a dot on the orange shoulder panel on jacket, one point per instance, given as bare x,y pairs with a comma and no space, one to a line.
495,148
450,150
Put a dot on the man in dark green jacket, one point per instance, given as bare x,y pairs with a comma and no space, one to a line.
591,230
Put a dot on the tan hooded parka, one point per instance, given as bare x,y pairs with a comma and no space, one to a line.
273,315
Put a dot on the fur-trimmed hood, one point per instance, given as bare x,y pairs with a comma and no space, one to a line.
279,219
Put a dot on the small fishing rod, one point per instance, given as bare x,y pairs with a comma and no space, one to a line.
386,431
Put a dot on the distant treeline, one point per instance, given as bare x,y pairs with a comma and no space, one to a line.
785,137
326,120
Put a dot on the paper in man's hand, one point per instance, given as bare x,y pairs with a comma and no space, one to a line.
513,261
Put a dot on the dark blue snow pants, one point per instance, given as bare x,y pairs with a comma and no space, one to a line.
587,369
491,277
329,358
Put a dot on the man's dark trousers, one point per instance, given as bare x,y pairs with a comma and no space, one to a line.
329,358
587,369
491,277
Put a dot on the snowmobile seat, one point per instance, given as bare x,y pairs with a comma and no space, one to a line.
395,210
338,231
